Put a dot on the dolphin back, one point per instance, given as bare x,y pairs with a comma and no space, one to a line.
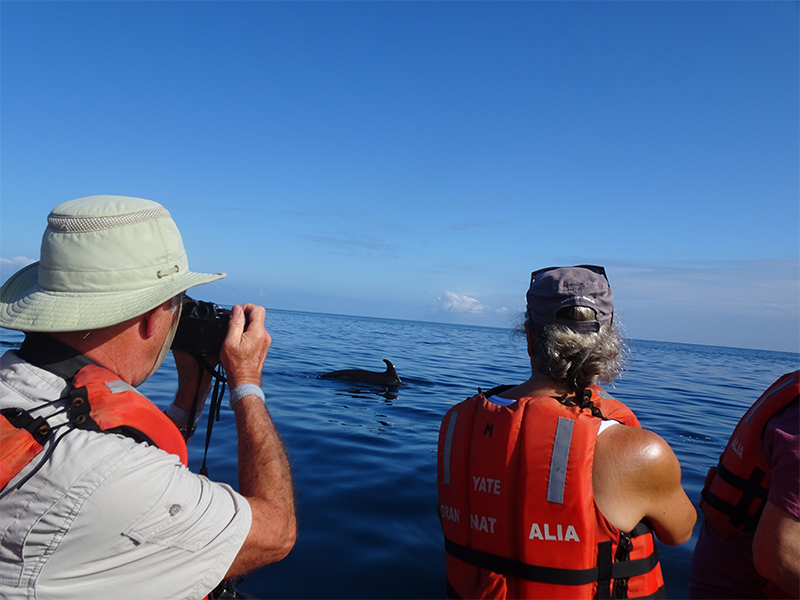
388,377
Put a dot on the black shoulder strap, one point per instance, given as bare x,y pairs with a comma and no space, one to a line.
499,389
46,352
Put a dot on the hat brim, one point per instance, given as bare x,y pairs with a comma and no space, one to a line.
25,307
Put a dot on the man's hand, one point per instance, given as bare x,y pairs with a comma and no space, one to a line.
194,382
244,350
264,474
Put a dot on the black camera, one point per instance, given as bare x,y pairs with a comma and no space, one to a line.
202,328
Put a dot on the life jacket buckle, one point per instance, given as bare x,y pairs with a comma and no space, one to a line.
78,408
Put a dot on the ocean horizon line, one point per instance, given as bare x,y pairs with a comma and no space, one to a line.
511,328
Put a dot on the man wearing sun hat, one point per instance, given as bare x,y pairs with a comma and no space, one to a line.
551,489
97,500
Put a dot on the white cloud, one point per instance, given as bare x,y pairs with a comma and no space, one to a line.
9,266
459,303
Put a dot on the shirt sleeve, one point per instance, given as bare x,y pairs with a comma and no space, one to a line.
781,450
149,528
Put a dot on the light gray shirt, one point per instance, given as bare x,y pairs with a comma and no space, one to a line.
107,517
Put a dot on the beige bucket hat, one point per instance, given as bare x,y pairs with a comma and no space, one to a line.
104,260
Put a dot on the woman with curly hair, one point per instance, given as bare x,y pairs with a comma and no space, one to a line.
550,488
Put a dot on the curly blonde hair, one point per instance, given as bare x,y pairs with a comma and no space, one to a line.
577,360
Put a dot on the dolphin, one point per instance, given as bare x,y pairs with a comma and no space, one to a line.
387,378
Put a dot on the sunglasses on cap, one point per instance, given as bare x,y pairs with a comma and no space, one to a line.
592,268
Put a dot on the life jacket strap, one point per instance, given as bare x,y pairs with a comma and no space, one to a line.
605,562
517,569
623,554
554,575
660,593
751,489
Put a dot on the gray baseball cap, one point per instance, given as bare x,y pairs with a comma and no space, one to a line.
104,260
555,288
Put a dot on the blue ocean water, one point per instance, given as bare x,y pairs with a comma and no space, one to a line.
364,457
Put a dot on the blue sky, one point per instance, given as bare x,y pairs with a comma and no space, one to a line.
417,160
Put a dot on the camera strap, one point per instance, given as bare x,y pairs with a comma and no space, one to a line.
216,402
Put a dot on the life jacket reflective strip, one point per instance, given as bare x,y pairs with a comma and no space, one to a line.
100,401
517,507
735,490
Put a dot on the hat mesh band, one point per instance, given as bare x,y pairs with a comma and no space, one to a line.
78,224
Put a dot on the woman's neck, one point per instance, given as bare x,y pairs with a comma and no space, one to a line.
539,384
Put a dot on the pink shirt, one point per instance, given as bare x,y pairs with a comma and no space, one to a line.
781,450
724,568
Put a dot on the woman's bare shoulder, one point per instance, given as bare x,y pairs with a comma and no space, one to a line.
636,475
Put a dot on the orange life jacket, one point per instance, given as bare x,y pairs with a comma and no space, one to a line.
735,490
517,506
100,401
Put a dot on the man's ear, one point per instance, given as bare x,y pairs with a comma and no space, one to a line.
151,320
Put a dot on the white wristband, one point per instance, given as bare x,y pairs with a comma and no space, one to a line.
181,417
246,389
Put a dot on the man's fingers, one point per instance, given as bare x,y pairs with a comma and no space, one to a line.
255,314
235,326
244,350
246,340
